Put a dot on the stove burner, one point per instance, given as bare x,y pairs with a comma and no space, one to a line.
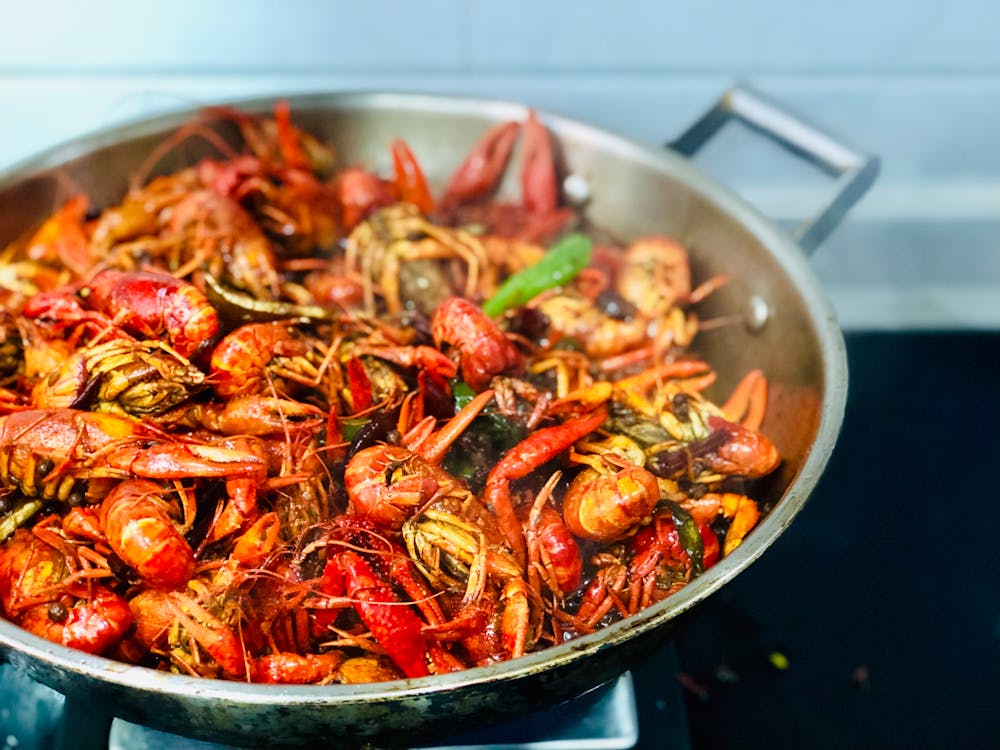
34,717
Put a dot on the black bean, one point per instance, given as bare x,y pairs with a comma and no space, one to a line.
529,322
119,569
438,402
58,612
615,306
76,499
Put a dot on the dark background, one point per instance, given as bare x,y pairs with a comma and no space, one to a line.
883,595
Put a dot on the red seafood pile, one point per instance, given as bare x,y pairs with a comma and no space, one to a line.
272,420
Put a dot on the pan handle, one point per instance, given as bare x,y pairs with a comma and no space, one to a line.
854,172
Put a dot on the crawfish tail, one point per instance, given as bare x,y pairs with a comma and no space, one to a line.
141,533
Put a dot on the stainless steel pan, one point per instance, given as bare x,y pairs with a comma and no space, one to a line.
789,330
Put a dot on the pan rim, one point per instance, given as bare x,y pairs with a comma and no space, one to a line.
778,244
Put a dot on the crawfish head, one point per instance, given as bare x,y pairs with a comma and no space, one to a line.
730,449
672,462
151,305
88,445
121,376
387,483
484,349
745,452
455,544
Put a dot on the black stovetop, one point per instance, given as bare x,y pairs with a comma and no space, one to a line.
874,620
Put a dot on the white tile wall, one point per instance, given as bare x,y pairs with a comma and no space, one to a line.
918,83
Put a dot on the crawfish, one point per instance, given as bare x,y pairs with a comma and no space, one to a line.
64,238
533,452
410,181
131,226
639,317
288,200
276,142
479,174
360,193
654,563
423,357
538,216
560,553
289,668
300,214
484,350
300,481
365,577
503,622
727,449
388,483
655,275
571,315
21,280
121,376
380,247
35,595
224,238
396,628
193,627
137,524
94,622
143,303
552,549
212,617
291,468
328,283
40,349
614,495
30,572
46,452
256,355
455,541
249,415
744,451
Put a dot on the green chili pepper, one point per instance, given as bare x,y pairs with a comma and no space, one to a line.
18,516
561,264
462,392
239,308
690,537
349,426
